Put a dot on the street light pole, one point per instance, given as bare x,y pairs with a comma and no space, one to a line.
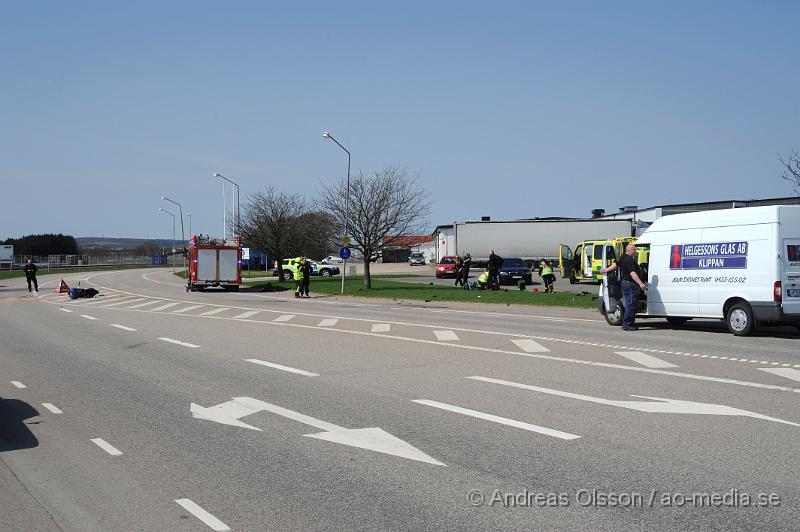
190,224
238,218
183,236
327,135
173,236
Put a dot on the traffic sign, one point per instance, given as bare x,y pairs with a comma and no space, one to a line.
345,253
346,240
245,253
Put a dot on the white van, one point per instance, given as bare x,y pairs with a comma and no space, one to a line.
739,265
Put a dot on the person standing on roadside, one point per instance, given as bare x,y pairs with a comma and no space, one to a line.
495,263
297,273
30,276
458,265
546,273
464,273
632,285
306,269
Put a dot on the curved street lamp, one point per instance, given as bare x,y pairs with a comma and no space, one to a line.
173,236
238,219
326,135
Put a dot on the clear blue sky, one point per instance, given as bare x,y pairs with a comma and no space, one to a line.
508,109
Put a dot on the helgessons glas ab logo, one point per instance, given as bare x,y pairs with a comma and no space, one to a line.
708,256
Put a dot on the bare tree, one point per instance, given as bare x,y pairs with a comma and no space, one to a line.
388,204
270,222
791,171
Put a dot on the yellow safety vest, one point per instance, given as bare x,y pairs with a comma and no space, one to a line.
547,270
484,277
298,271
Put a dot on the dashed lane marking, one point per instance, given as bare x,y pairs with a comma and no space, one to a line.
497,419
51,407
65,310
194,509
530,346
187,309
284,317
107,447
783,372
165,307
123,327
88,317
645,359
381,327
281,367
18,384
215,311
178,342
327,322
246,314
446,336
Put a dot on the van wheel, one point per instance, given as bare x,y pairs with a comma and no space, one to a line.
740,319
676,322
615,318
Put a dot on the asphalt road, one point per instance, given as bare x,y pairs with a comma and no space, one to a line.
118,413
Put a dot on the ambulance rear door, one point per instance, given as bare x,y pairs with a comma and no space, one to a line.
565,261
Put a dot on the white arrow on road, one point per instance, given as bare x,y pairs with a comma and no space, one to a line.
656,405
373,438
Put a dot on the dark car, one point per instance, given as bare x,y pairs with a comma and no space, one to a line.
514,270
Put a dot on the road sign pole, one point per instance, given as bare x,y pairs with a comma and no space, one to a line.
344,273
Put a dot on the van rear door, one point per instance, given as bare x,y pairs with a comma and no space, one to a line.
790,280
565,261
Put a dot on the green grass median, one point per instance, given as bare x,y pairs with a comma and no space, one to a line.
384,288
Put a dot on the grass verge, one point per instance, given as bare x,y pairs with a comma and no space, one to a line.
382,288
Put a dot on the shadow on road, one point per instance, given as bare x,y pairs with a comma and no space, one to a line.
14,432
717,326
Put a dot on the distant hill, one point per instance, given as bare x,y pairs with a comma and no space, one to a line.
119,244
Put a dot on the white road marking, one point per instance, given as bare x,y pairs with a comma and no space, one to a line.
381,327
497,419
645,359
146,303
165,307
125,302
246,314
88,317
178,342
783,372
65,310
284,317
373,438
18,384
327,322
530,346
51,407
215,311
658,405
446,336
281,367
101,300
186,309
107,447
123,327
194,509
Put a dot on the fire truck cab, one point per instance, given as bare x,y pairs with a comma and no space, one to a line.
214,262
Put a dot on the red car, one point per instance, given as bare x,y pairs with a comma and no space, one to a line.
446,267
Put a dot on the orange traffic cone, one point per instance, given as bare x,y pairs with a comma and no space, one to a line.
62,288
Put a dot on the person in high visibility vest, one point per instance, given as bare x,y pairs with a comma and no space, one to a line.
305,269
297,273
483,280
546,273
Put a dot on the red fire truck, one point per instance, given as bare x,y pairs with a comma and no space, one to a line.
214,262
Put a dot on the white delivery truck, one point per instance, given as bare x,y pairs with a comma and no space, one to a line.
738,265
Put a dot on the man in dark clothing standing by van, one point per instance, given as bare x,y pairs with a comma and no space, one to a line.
632,285
463,273
30,276
495,263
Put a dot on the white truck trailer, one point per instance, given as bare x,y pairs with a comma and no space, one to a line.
526,239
